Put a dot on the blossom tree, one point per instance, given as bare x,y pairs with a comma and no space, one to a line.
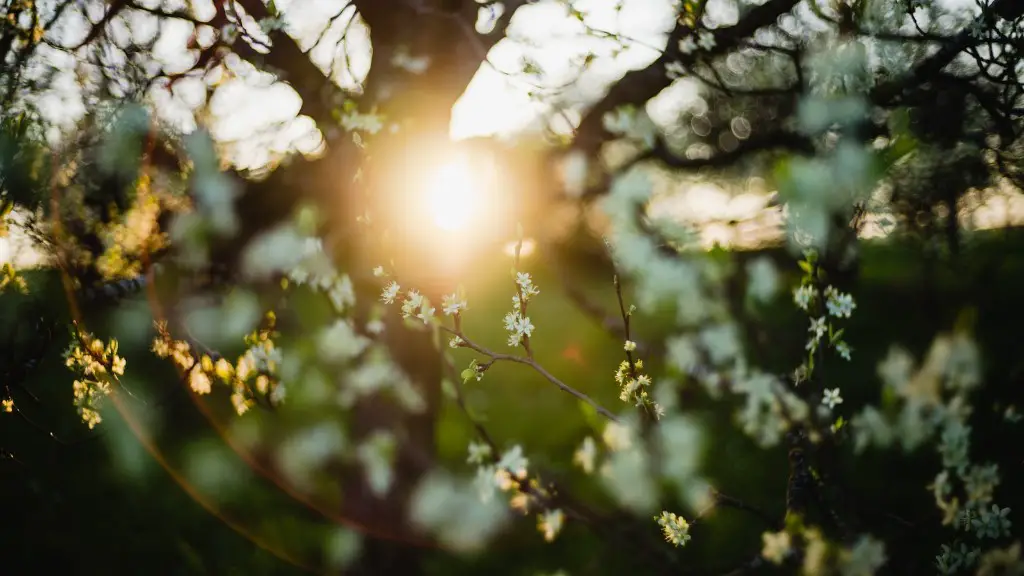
321,290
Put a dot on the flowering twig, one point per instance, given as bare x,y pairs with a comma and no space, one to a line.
625,323
460,400
497,357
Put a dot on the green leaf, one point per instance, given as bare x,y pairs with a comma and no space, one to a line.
838,425
470,372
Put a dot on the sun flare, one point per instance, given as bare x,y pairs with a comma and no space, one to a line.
449,205
453,195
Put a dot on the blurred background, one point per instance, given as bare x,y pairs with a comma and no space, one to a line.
425,133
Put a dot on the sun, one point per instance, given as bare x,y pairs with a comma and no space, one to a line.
452,195
449,205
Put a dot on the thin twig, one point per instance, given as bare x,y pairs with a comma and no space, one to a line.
460,399
497,357
737,504
625,324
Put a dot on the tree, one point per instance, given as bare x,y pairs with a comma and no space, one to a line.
318,326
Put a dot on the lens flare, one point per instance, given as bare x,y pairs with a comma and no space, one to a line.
453,196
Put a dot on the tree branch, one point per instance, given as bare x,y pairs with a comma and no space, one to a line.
888,92
292,66
496,357
639,86
782,140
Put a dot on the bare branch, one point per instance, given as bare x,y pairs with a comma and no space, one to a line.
498,357
886,93
639,86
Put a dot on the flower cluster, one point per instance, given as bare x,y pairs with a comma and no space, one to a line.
675,528
517,323
586,455
417,306
252,376
550,523
822,305
933,404
97,364
634,384
316,270
390,292
509,474
702,39
837,304
454,304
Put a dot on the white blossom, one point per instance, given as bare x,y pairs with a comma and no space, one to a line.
452,510
550,523
340,342
706,40
674,70
514,461
682,354
839,305
843,349
804,295
390,292
519,327
526,286
777,546
417,306
865,558
688,45
818,328
617,436
586,455
375,326
831,398
453,304
675,528
478,453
